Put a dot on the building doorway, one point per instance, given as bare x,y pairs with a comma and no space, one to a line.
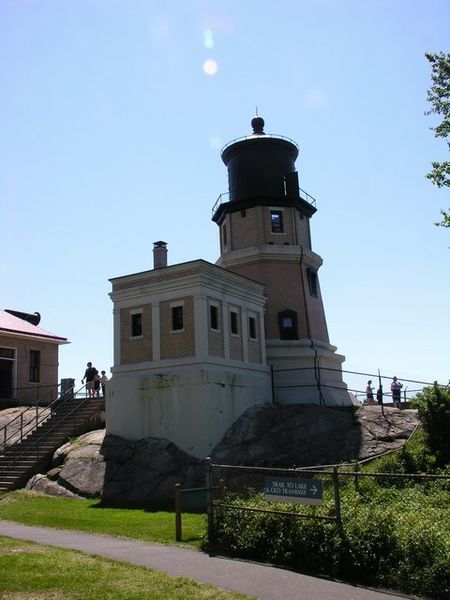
7,361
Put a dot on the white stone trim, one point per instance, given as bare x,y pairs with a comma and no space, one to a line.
201,326
245,338
226,329
117,337
156,331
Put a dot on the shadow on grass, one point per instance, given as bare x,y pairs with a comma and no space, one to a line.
152,507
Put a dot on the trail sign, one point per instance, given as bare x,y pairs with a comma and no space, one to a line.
293,489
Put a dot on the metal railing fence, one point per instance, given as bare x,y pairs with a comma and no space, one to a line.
63,401
345,491
28,420
33,394
313,375
226,197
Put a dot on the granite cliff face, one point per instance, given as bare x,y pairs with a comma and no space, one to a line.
123,471
305,435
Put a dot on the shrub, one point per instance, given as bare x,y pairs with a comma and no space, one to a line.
392,537
433,407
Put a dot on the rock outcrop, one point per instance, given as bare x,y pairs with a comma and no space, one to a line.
137,472
15,418
305,435
120,471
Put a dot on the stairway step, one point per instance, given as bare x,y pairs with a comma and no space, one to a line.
40,442
22,461
19,467
10,478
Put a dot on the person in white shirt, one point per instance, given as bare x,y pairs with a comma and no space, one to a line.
369,392
396,386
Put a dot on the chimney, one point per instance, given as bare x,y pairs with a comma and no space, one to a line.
159,255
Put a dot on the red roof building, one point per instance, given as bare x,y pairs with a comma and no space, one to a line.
28,359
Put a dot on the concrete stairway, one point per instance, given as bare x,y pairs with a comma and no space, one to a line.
22,460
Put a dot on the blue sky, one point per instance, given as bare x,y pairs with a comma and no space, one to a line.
111,126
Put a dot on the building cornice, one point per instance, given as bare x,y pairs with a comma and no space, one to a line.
268,252
187,279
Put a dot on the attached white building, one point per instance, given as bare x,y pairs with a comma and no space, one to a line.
189,354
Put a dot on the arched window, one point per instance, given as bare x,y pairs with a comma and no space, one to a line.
288,325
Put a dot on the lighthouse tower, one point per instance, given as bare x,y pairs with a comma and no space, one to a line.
264,223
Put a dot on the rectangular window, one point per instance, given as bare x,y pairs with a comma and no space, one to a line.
214,317
177,318
276,217
234,328
252,328
224,235
313,283
136,324
35,366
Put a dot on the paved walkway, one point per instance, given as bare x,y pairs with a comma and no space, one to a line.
264,582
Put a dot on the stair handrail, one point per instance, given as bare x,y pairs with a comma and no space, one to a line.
42,437
31,407
61,399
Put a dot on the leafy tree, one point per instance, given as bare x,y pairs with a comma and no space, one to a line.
433,407
439,98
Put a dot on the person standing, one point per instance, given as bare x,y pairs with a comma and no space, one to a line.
97,384
369,393
396,386
380,396
103,380
89,376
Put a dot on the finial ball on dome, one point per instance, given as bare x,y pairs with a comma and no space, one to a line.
258,125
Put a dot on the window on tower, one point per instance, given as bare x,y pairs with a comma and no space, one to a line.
288,325
276,217
313,282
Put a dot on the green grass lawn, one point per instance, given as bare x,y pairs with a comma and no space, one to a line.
33,572
32,508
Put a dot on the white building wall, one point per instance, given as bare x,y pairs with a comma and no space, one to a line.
192,406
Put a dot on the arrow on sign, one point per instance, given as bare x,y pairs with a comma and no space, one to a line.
314,489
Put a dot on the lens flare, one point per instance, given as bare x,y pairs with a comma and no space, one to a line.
210,67
208,38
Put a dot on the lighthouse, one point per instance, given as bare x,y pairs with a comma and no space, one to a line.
197,344
264,223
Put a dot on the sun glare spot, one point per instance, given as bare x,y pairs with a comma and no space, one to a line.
210,67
